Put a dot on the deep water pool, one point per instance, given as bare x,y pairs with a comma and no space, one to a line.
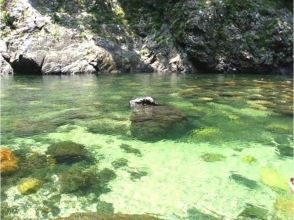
69,146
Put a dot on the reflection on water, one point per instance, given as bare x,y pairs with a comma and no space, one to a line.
70,144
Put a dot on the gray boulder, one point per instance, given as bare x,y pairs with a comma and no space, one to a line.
151,122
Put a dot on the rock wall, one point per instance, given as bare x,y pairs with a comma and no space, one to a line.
119,36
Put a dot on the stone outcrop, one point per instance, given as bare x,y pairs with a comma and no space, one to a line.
235,36
73,37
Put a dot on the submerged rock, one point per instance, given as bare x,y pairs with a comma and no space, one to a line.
136,175
75,180
128,149
155,122
8,162
244,181
253,212
121,162
67,152
29,185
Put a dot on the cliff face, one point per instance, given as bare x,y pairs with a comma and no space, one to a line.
118,36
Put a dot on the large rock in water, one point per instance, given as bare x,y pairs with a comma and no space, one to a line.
155,122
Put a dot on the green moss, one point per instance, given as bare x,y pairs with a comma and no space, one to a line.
7,19
128,149
135,175
121,162
212,157
205,134
248,159
279,128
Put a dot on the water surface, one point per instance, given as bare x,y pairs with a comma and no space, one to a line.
234,162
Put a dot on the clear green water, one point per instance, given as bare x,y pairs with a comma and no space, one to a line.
234,163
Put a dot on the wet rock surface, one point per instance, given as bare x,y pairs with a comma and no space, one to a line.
67,152
157,122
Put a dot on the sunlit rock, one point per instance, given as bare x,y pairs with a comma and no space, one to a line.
8,161
28,186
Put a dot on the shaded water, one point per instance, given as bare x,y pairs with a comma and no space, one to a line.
234,162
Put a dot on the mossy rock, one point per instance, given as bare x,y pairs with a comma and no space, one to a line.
104,207
29,185
244,181
128,149
212,157
285,151
136,175
121,162
253,212
67,152
106,175
76,179
153,123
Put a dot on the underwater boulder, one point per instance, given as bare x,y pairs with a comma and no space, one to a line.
29,185
67,152
156,122
8,161
75,180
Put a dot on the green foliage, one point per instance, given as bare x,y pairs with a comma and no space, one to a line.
7,19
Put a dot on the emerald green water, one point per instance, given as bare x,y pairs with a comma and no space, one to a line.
234,162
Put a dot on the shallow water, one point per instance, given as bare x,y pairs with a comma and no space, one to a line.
234,162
